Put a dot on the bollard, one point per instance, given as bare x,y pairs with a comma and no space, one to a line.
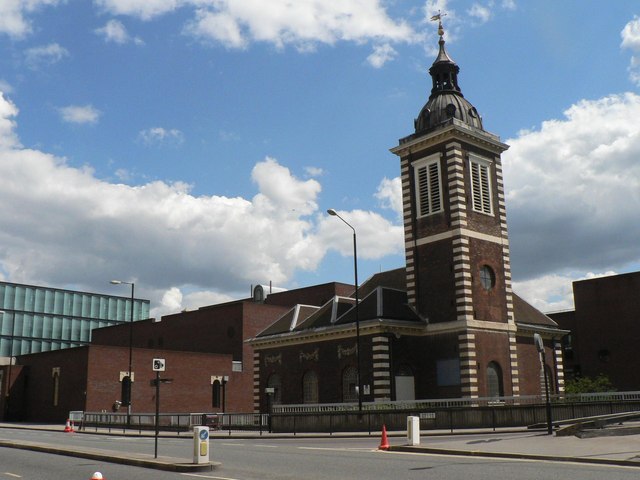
413,431
200,445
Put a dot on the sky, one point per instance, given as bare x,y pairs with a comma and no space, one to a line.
194,146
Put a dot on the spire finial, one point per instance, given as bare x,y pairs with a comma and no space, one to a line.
438,17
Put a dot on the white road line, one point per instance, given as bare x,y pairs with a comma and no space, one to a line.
206,476
337,449
12,475
265,446
232,444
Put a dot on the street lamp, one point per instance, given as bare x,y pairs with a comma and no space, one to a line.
537,339
12,337
128,388
333,213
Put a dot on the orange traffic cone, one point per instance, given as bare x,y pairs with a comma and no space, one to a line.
68,428
384,441
96,476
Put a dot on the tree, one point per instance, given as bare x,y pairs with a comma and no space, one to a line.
601,383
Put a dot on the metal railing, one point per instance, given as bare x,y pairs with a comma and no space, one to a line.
457,402
450,414
175,422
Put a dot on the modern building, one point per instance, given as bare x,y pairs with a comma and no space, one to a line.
40,319
605,332
447,324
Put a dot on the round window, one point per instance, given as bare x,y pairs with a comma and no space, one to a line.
487,277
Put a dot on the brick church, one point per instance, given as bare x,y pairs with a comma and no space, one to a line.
447,324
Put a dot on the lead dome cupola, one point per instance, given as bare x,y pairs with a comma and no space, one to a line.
446,100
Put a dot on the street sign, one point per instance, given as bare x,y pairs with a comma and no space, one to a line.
159,365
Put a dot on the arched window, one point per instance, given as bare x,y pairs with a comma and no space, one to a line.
310,387
350,384
216,401
275,383
494,381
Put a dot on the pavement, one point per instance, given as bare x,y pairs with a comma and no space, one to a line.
621,447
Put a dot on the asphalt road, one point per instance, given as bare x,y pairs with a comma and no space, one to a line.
269,458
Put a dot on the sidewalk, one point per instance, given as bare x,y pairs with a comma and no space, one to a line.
620,449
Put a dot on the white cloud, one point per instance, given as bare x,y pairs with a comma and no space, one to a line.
553,292
159,135
79,114
314,171
509,4
390,195
480,12
631,34
144,9
381,55
13,13
376,236
115,31
304,23
73,228
573,190
37,57
631,39
5,87
8,137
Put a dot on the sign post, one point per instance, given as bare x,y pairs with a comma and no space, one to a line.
159,365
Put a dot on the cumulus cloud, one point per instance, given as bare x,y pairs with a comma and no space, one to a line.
376,236
115,31
303,24
314,171
573,190
144,9
79,114
381,55
73,228
480,12
45,55
390,195
14,13
553,292
159,135
631,39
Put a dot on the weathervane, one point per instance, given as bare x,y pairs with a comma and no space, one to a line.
438,17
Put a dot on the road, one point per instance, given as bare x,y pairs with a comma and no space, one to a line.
270,459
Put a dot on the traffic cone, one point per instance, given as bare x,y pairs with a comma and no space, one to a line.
97,476
67,427
384,441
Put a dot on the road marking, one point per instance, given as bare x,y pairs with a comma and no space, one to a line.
233,444
206,476
330,449
265,446
12,475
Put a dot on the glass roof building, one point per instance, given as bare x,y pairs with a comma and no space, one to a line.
41,319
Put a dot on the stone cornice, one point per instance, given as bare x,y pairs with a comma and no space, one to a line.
455,130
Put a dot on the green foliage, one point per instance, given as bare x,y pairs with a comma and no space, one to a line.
601,383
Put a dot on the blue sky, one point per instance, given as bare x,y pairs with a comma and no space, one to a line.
193,146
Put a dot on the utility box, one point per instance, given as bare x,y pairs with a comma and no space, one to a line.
200,445
413,431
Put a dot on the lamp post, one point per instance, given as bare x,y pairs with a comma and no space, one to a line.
130,383
333,213
12,337
537,339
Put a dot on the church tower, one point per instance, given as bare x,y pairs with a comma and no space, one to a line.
456,245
